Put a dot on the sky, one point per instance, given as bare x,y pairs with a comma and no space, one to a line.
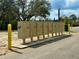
67,7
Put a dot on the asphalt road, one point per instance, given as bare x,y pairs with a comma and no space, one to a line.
67,48
75,29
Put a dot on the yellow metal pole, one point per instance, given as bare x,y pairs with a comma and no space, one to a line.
69,28
9,36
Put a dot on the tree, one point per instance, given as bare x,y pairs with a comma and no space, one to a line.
8,10
73,18
40,8
23,8
32,8
65,19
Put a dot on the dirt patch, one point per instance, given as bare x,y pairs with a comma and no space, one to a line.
3,50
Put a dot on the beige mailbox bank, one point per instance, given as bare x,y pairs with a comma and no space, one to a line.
29,29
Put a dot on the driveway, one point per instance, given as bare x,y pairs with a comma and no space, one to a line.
67,48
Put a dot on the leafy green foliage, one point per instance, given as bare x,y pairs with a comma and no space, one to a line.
73,18
12,11
40,8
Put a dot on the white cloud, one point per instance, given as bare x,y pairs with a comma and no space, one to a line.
70,7
68,12
54,14
68,2
72,1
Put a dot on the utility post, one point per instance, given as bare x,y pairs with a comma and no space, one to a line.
59,14
9,36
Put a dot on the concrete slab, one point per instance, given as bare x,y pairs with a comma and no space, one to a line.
20,46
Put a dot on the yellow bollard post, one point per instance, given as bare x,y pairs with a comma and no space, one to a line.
69,28
9,36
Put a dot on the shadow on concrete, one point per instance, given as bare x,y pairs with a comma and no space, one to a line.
48,42
43,42
13,50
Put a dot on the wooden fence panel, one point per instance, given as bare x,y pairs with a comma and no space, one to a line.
46,28
33,29
24,30
50,27
58,28
30,29
62,27
39,28
54,28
